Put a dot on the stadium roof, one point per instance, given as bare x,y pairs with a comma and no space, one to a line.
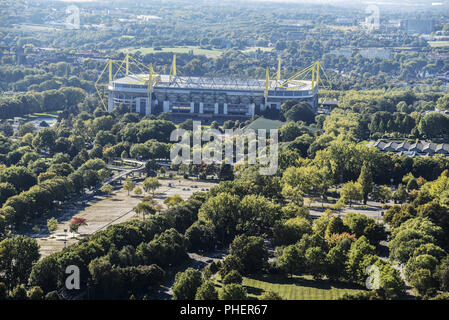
210,83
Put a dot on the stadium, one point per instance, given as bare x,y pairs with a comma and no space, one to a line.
207,97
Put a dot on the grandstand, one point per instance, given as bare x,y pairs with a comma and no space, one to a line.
208,97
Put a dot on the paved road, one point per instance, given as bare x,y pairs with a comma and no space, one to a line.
372,209
123,172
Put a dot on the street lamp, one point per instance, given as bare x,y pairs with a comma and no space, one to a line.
65,238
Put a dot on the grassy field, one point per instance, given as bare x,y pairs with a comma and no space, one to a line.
196,50
31,28
53,114
343,28
37,115
298,288
210,53
439,44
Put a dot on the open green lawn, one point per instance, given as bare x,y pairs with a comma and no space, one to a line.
37,115
44,114
30,28
298,288
439,44
196,50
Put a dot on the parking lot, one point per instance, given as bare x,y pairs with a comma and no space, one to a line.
102,211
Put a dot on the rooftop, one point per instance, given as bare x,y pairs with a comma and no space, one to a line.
169,81
422,147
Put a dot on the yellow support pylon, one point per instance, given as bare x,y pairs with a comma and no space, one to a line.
150,77
267,85
313,77
279,68
173,67
110,70
127,64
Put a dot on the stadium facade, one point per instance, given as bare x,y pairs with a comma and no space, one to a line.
206,96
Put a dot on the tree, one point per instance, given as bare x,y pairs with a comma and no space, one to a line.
151,184
410,235
76,223
225,173
290,231
44,139
424,261
251,251
357,223
138,191
300,112
231,262
174,200
233,277
400,195
35,293
436,213
257,215
412,184
186,284
206,291
128,185
382,194
270,295
43,273
365,181
315,261
336,262
104,138
20,177
375,233
222,212
52,224
145,208
351,191
232,291
423,281
443,102
107,188
19,293
434,125
25,128
292,260
292,130
201,236
335,226
90,178
3,291
443,274
17,256
359,250
7,190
